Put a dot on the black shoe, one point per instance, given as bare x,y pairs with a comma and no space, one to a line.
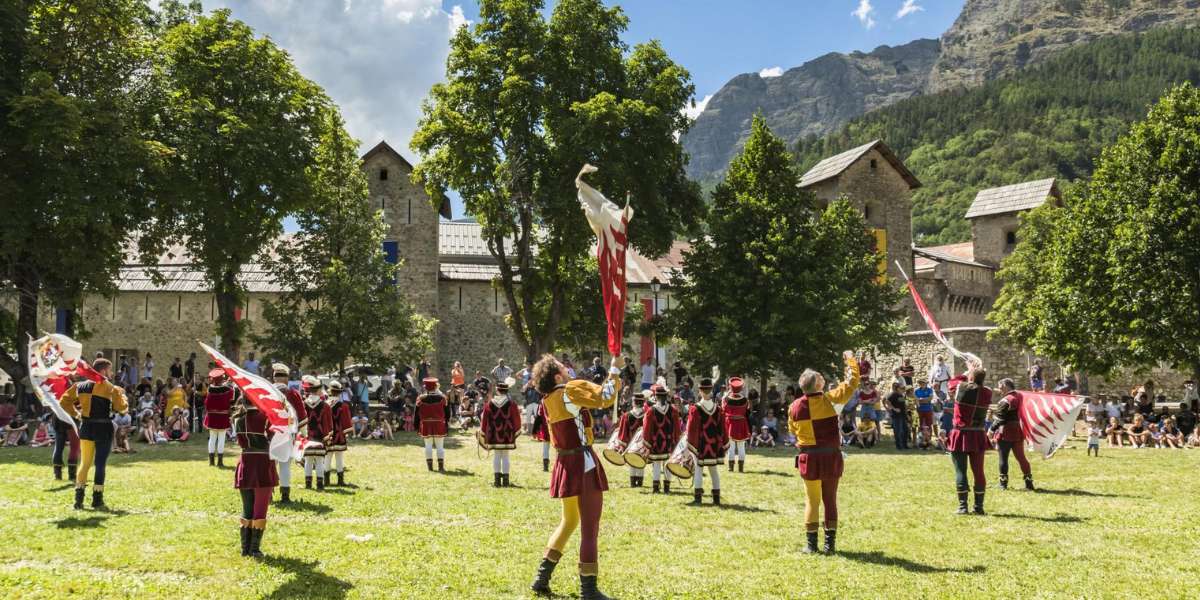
79,498
632,481
716,495
72,470
220,461
962,502
587,589
308,482
1029,482
285,495
541,584
830,541
666,486
657,487
741,466
641,481
328,477
504,480
495,480
1004,482
697,497
256,542
731,466
979,502
98,500
546,465
212,459
429,464
245,533
341,478
321,482
58,472
441,465
810,542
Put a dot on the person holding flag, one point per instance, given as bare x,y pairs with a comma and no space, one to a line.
255,477
94,403
968,442
1006,428
280,373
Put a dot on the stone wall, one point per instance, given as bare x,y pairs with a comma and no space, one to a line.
472,328
989,237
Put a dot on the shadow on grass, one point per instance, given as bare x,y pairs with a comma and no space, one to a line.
91,522
59,488
458,473
1055,519
879,558
303,506
774,473
1082,493
306,581
744,508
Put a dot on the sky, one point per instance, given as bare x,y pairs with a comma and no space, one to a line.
378,58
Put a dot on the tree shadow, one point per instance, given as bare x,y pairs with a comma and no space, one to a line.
306,581
1060,518
91,522
304,506
1083,493
881,559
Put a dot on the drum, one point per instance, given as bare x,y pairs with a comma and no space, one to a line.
615,451
638,455
682,462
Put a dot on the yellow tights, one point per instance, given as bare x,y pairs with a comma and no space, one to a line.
566,527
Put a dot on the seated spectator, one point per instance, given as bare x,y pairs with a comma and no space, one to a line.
177,425
122,423
149,432
867,433
41,437
1112,410
771,423
360,423
14,432
1169,435
848,428
1115,433
408,418
1138,432
763,439
1193,441
1185,419
1061,387
382,429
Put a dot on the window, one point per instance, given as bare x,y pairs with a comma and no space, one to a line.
408,218
383,174
179,308
867,212
873,164
1010,238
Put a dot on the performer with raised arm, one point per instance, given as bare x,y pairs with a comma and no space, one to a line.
968,441
707,439
578,477
737,426
434,415
1009,437
500,425
343,426
280,373
94,403
320,429
661,429
813,419
627,427
255,478
217,404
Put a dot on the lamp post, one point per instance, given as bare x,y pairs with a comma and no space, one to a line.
655,285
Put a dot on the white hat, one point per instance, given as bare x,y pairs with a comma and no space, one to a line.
280,369
310,382
335,386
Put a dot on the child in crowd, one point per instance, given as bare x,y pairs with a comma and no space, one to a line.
1138,433
1095,432
360,423
1169,435
923,394
41,437
1193,441
1115,433
867,433
150,433
14,432
383,430
763,439
408,418
121,426
848,428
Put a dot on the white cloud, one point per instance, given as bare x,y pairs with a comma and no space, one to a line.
910,7
376,58
694,111
865,13
771,72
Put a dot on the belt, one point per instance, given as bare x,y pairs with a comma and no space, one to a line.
432,420
254,452
970,429
217,412
737,418
818,450
569,451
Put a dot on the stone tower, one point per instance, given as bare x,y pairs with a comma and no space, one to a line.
995,216
413,224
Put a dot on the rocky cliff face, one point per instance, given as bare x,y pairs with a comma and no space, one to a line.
993,37
813,98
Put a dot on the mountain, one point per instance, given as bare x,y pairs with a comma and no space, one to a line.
809,100
1052,120
990,39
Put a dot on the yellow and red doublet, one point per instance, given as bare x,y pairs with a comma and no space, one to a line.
813,419
568,412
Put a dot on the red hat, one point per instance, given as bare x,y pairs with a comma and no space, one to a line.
736,384
216,376
430,383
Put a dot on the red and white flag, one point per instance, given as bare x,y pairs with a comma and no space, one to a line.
1047,419
268,399
932,324
611,225
53,359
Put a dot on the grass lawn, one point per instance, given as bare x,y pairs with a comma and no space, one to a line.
1116,526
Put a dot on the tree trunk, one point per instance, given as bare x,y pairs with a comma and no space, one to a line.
28,287
227,294
763,379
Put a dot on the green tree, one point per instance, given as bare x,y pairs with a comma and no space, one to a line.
527,102
777,285
78,158
244,125
340,299
1112,279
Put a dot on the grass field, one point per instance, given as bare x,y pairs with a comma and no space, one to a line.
1118,526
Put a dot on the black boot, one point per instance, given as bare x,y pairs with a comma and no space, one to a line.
830,541
328,477
697,496
429,464
341,478
811,542
256,542
441,465
58,472
495,480
541,584
1003,482
321,481
716,494
308,482
641,481
741,466
666,486
245,533
731,466
79,498
979,502
962,501
1029,482
657,487
212,459
504,480
72,469
98,500
220,461
587,589
285,495
632,481
546,464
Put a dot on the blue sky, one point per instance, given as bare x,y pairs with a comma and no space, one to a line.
378,58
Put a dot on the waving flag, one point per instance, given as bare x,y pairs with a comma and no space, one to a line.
269,400
933,326
1047,419
53,359
611,225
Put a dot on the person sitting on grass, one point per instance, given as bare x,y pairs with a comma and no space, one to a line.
771,423
14,432
848,428
360,423
1169,435
177,425
1193,441
121,426
1115,433
41,437
867,433
763,439
1095,432
150,433
384,430
1138,433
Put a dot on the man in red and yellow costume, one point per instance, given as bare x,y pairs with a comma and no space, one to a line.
1008,434
578,477
813,419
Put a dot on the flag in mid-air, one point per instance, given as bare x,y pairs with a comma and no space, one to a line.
932,324
611,225
53,359
268,399
1047,419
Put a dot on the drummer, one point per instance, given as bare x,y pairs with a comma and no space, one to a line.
629,425
662,428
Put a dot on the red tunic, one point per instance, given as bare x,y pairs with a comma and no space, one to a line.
255,468
821,454
320,427
342,426
501,424
706,435
541,424
1008,412
569,412
216,407
297,401
970,408
434,413
736,425
628,426
661,431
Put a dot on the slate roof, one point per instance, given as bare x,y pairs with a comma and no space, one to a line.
1013,198
834,165
962,253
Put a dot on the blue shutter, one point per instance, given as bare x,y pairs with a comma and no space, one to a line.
391,253
60,320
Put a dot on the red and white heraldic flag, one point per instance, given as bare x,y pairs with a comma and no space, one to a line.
1047,419
611,225
268,399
